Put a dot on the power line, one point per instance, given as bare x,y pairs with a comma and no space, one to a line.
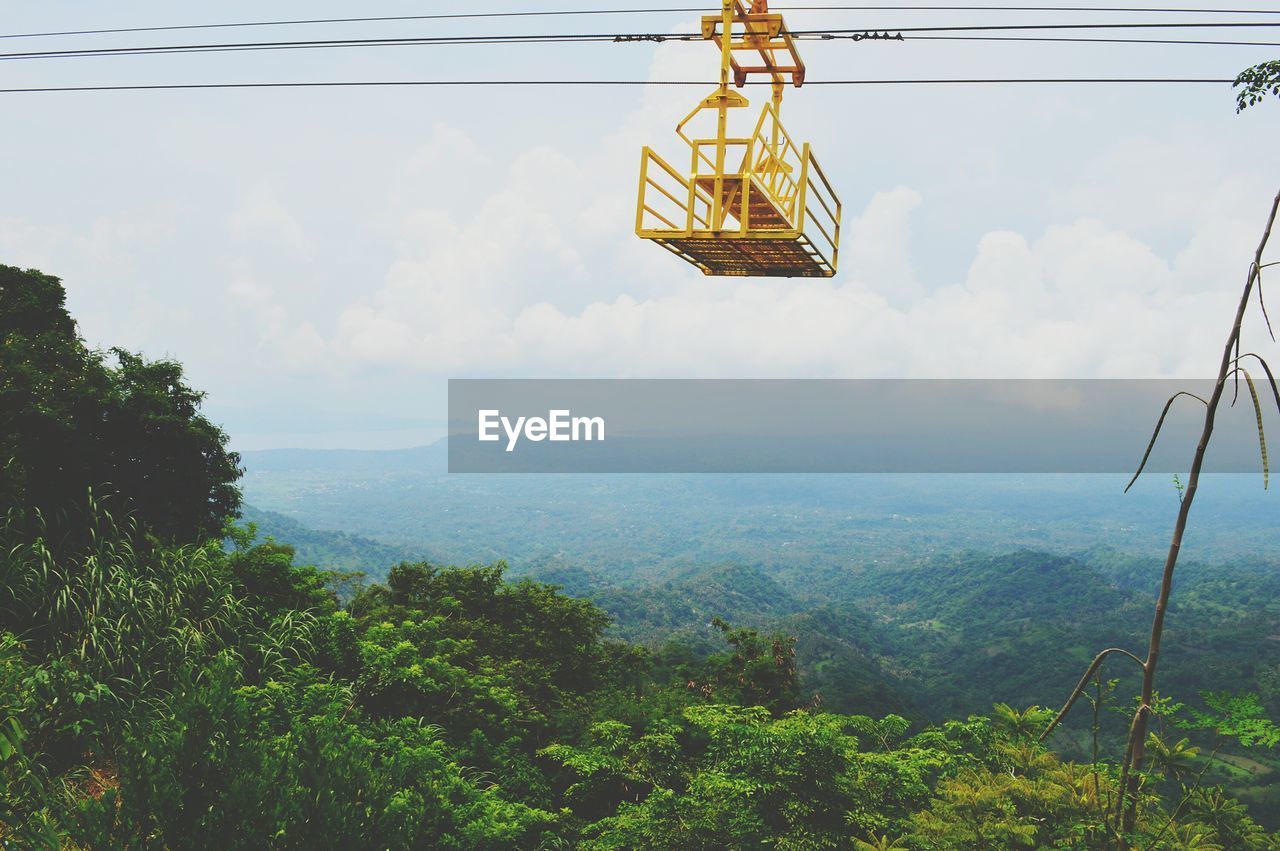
1070,39
362,20
601,83
1122,26
1152,9
669,10
583,38
165,50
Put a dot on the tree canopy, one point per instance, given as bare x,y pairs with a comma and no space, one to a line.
75,419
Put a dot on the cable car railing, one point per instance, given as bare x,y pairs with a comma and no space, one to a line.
825,195
774,159
748,205
778,189
679,205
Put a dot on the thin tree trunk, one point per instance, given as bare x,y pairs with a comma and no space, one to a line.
1130,778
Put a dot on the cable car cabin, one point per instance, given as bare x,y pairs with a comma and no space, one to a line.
752,205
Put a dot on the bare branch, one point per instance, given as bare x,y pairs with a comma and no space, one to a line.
1235,393
1155,434
1130,777
1084,681
1129,793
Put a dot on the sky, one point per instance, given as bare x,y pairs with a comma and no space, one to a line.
323,260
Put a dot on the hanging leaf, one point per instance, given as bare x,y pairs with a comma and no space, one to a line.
1262,435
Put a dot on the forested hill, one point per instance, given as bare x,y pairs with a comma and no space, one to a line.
334,550
637,525
169,682
936,637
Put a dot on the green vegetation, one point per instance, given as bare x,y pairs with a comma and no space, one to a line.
70,419
880,627
1256,84
170,681
337,551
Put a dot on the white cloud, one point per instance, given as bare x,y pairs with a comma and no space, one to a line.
296,346
262,218
1082,299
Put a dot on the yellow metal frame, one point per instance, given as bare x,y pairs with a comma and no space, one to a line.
774,213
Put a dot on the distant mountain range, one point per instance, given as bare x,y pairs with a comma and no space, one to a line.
929,596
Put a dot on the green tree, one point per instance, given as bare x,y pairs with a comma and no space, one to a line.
1228,819
720,777
758,670
291,764
74,419
264,573
1020,724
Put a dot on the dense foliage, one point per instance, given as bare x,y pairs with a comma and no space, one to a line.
164,685
186,692
889,584
72,417
928,637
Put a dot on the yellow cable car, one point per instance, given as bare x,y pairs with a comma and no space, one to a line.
755,205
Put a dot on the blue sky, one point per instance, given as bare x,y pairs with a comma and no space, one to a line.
323,260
